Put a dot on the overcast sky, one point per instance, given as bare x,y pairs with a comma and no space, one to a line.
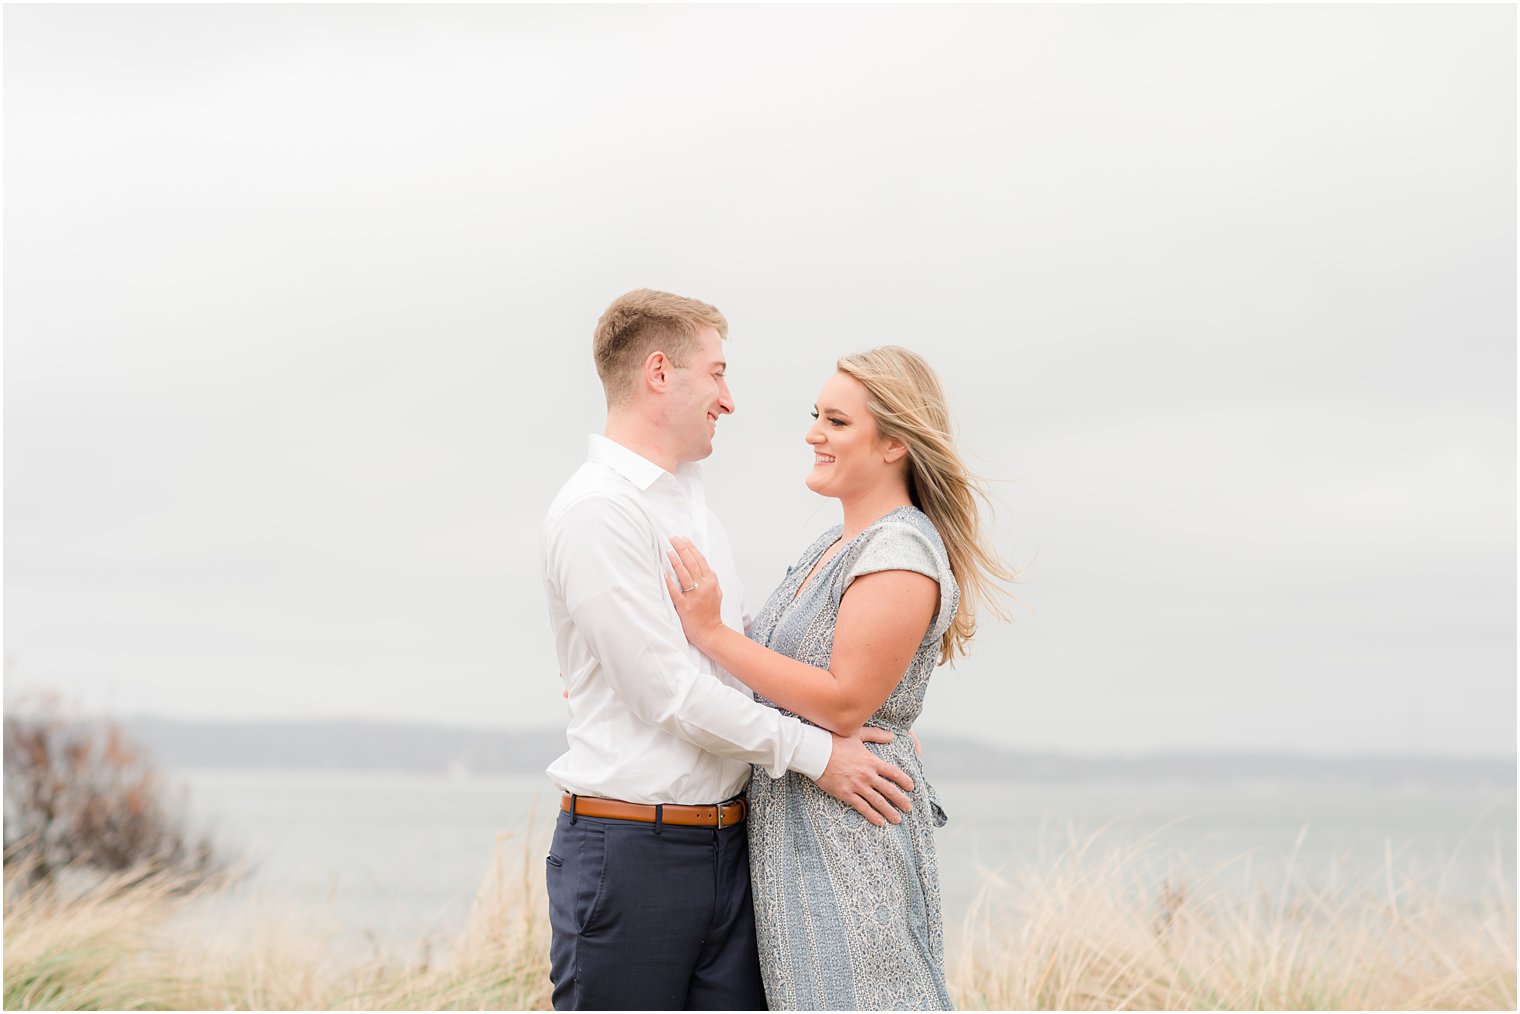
298,307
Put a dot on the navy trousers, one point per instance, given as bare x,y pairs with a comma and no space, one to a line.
648,918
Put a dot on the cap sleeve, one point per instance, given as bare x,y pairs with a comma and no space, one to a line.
895,545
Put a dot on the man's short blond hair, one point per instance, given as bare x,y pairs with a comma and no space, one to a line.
642,322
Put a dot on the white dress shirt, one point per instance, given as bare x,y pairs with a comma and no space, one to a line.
652,720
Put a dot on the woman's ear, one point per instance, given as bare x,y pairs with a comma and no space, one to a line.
896,451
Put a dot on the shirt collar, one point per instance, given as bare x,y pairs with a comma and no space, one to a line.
631,465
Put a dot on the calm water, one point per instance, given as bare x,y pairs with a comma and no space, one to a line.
397,858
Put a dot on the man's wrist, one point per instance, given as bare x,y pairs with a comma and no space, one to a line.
814,752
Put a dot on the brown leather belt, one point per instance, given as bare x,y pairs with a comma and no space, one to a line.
716,815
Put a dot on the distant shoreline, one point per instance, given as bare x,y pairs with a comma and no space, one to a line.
383,746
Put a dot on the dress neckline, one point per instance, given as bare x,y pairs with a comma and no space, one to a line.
813,571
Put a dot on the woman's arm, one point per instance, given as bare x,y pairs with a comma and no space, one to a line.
882,620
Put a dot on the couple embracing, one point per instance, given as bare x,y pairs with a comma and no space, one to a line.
676,880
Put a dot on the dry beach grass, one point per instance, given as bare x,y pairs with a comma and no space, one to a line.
130,943
1116,927
1088,924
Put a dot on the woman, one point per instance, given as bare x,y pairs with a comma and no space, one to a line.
848,913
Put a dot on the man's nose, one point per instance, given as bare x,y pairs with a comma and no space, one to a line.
725,399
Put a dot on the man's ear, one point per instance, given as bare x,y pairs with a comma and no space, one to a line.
657,371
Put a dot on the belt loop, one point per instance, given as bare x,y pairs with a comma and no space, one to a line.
659,817
572,808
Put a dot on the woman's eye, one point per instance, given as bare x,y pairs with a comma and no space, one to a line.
814,413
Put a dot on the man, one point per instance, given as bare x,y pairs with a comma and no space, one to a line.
648,874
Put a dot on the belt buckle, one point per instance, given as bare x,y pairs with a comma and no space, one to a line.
719,808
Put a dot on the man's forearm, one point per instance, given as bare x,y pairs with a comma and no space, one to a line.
815,694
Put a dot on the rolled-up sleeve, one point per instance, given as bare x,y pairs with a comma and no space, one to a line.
603,557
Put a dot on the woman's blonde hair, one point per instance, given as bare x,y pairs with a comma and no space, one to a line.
908,403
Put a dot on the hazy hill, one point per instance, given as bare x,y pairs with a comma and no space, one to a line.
376,746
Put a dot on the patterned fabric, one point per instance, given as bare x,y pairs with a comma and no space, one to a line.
848,914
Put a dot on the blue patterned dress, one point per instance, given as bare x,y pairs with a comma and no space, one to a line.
848,914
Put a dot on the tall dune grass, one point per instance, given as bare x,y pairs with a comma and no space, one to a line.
1088,924
153,945
1103,926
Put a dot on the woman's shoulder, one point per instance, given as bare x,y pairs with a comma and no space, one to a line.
912,523
904,539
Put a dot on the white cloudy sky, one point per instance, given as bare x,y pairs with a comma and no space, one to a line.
298,303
